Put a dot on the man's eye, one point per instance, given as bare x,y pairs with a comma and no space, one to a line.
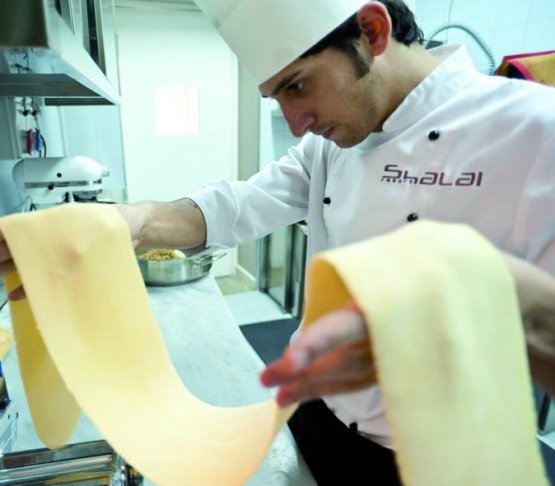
295,87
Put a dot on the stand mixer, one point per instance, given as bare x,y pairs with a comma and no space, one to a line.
54,180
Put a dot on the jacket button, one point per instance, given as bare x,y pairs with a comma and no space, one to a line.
412,217
327,200
434,135
353,426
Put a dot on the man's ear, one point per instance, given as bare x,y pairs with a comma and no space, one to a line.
375,24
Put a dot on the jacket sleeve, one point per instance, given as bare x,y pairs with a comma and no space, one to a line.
239,211
534,229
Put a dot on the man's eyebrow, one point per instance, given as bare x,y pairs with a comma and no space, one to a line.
282,84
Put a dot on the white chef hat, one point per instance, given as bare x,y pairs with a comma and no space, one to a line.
267,35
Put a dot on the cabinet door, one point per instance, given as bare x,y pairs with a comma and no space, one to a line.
103,37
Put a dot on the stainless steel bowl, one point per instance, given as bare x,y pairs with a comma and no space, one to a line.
164,273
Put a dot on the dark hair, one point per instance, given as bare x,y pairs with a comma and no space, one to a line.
344,37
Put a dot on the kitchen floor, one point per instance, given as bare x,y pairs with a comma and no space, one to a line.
249,306
254,306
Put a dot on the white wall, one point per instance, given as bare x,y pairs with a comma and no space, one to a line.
507,26
173,48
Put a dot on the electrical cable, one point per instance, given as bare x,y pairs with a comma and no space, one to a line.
471,33
40,142
43,141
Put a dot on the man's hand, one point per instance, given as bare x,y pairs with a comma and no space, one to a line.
177,224
332,356
134,215
7,266
536,296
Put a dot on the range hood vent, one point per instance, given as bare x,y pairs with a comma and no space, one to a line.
42,54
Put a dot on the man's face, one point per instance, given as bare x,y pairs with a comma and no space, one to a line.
323,94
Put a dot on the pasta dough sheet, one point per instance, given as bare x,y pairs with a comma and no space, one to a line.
449,350
446,337
87,339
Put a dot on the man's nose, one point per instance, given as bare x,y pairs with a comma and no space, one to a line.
299,120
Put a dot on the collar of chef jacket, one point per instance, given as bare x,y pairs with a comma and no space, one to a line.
455,72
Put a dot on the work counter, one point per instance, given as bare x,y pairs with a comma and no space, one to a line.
214,360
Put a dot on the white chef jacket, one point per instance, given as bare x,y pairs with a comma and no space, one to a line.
462,147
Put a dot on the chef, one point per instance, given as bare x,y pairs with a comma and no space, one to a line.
392,133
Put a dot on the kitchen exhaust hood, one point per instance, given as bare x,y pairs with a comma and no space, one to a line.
61,50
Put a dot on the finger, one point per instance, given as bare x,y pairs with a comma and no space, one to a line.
6,266
4,251
346,369
332,330
350,360
347,361
300,392
279,371
6,263
17,294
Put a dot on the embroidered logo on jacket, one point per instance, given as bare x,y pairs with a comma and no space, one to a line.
392,173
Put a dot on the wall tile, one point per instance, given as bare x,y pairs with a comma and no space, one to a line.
430,15
464,2
506,26
541,10
507,41
539,35
510,12
428,21
461,13
482,15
